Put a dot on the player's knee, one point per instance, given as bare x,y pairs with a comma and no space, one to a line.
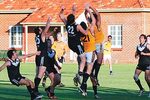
27,83
136,77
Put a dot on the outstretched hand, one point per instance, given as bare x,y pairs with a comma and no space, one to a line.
87,5
63,8
49,18
74,7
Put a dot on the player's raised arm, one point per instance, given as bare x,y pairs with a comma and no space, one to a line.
98,17
74,7
29,55
51,33
47,26
93,19
62,16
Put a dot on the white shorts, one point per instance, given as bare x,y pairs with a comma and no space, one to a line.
107,57
89,57
99,47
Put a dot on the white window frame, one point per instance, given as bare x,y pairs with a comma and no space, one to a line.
116,32
17,37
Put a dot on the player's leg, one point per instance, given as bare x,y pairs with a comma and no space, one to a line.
44,80
61,63
87,73
137,80
48,89
55,80
147,78
37,80
81,63
30,87
94,84
110,64
98,62
41,72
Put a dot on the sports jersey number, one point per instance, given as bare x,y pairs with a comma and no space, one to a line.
86,38
70,30
37,40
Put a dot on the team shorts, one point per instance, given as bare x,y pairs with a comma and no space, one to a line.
89,57
78,49
16,80
107,57
40,60
143,67
51,69
99,48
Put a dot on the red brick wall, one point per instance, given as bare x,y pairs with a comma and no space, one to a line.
31,43
132,27
7,20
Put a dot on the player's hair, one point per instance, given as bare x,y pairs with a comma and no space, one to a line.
143,36
10,53
70,19
109,36
83,24
89,18
37,30
148,35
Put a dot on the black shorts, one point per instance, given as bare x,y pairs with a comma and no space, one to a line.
78,49
51,69
143,67
16,80
40,60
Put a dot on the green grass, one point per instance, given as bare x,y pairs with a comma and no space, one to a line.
119,86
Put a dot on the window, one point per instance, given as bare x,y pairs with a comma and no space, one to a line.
15,36
116,32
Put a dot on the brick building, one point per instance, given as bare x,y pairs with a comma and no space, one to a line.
125,20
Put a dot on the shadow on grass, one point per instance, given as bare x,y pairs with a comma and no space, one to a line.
11,92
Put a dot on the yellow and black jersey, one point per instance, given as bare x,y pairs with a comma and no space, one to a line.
88,42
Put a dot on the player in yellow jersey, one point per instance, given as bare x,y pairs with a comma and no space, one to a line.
61,49
107,52
99,37
89,48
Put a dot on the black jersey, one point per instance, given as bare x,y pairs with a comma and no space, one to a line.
51,57
14,69
73,35
143,60
51,61
41,46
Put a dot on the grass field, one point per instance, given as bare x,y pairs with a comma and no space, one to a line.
119,86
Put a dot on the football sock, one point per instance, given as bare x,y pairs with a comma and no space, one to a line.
85,78
97,68
95,90
139,84
30,90
37,82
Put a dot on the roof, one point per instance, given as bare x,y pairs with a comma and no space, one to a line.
44,8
